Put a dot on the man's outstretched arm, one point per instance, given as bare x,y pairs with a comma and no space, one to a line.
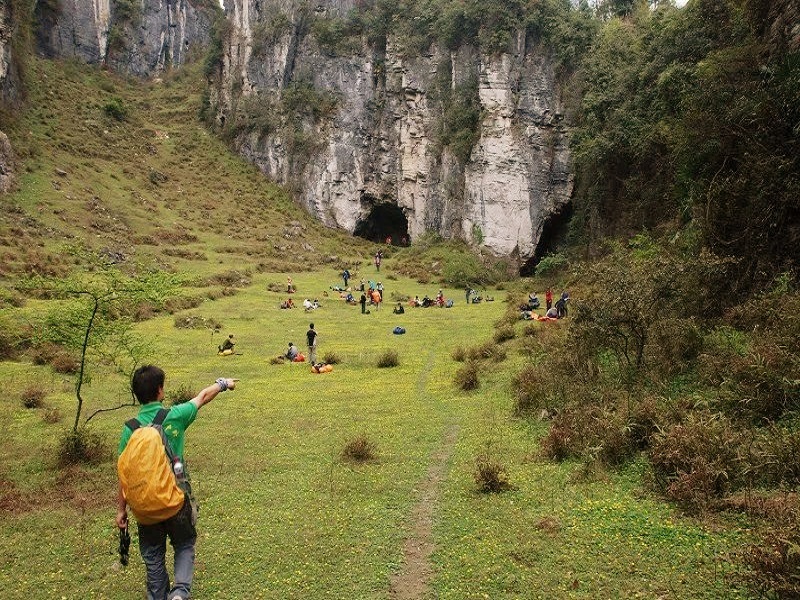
208,394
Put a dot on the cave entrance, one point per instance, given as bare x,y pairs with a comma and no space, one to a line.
554,234
384,220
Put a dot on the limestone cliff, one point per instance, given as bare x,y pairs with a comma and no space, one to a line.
9,78
136,37
9,93
371,126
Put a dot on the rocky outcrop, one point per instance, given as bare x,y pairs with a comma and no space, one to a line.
9,77
6,165
136,37
383,141
783,35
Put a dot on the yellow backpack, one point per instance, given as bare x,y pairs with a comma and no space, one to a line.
145,472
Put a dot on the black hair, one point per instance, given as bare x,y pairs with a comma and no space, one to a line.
311,326
146,382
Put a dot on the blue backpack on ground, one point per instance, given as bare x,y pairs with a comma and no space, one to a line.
399,330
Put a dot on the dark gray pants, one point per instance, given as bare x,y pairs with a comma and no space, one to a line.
153,546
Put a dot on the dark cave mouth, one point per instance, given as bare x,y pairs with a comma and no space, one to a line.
554,233
384,220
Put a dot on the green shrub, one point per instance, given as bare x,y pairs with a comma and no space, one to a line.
490,474
551,264
504,333
775,562
387,359
466,378
331,358
51,414
65,363
359,449
699,460
179,394
116,109
33,396
81,446
459,354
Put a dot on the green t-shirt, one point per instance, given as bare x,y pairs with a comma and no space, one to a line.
179,418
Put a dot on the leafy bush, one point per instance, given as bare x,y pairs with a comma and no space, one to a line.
387,359
551,264
359,449
331,358
51,414
699,460
179,394
116,109
487,351
775,562
490,474
33,396
466,378
504,333
81,446
65,363
599,434
534,390
459,354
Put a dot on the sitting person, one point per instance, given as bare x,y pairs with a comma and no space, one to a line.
533,301
315,305
349,298
292,352
287,303
399,310
227,344
307,305
415,301
552,312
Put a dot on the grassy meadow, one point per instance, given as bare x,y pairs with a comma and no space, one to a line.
283,514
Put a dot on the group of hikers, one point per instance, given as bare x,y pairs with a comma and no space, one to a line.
552,311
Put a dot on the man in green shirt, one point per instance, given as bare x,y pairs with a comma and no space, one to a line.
148,387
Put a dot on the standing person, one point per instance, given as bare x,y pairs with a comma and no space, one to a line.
378,258
379,289
548,298
345,277
289,286
363,302
561,305
311,338
148,388
467,293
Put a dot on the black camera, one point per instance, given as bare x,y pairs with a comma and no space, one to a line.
124,545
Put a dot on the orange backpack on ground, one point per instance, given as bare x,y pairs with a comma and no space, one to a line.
145,472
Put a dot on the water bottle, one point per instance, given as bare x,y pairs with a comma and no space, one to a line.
177,468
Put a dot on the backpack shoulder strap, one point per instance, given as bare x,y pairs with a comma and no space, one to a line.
160,416
133,424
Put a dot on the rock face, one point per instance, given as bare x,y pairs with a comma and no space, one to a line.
9,78
136,37
6,165
382,144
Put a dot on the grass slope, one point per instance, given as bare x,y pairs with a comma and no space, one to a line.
155,185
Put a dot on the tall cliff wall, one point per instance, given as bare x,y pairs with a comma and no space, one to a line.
9,77
9,92
377,134
136,37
